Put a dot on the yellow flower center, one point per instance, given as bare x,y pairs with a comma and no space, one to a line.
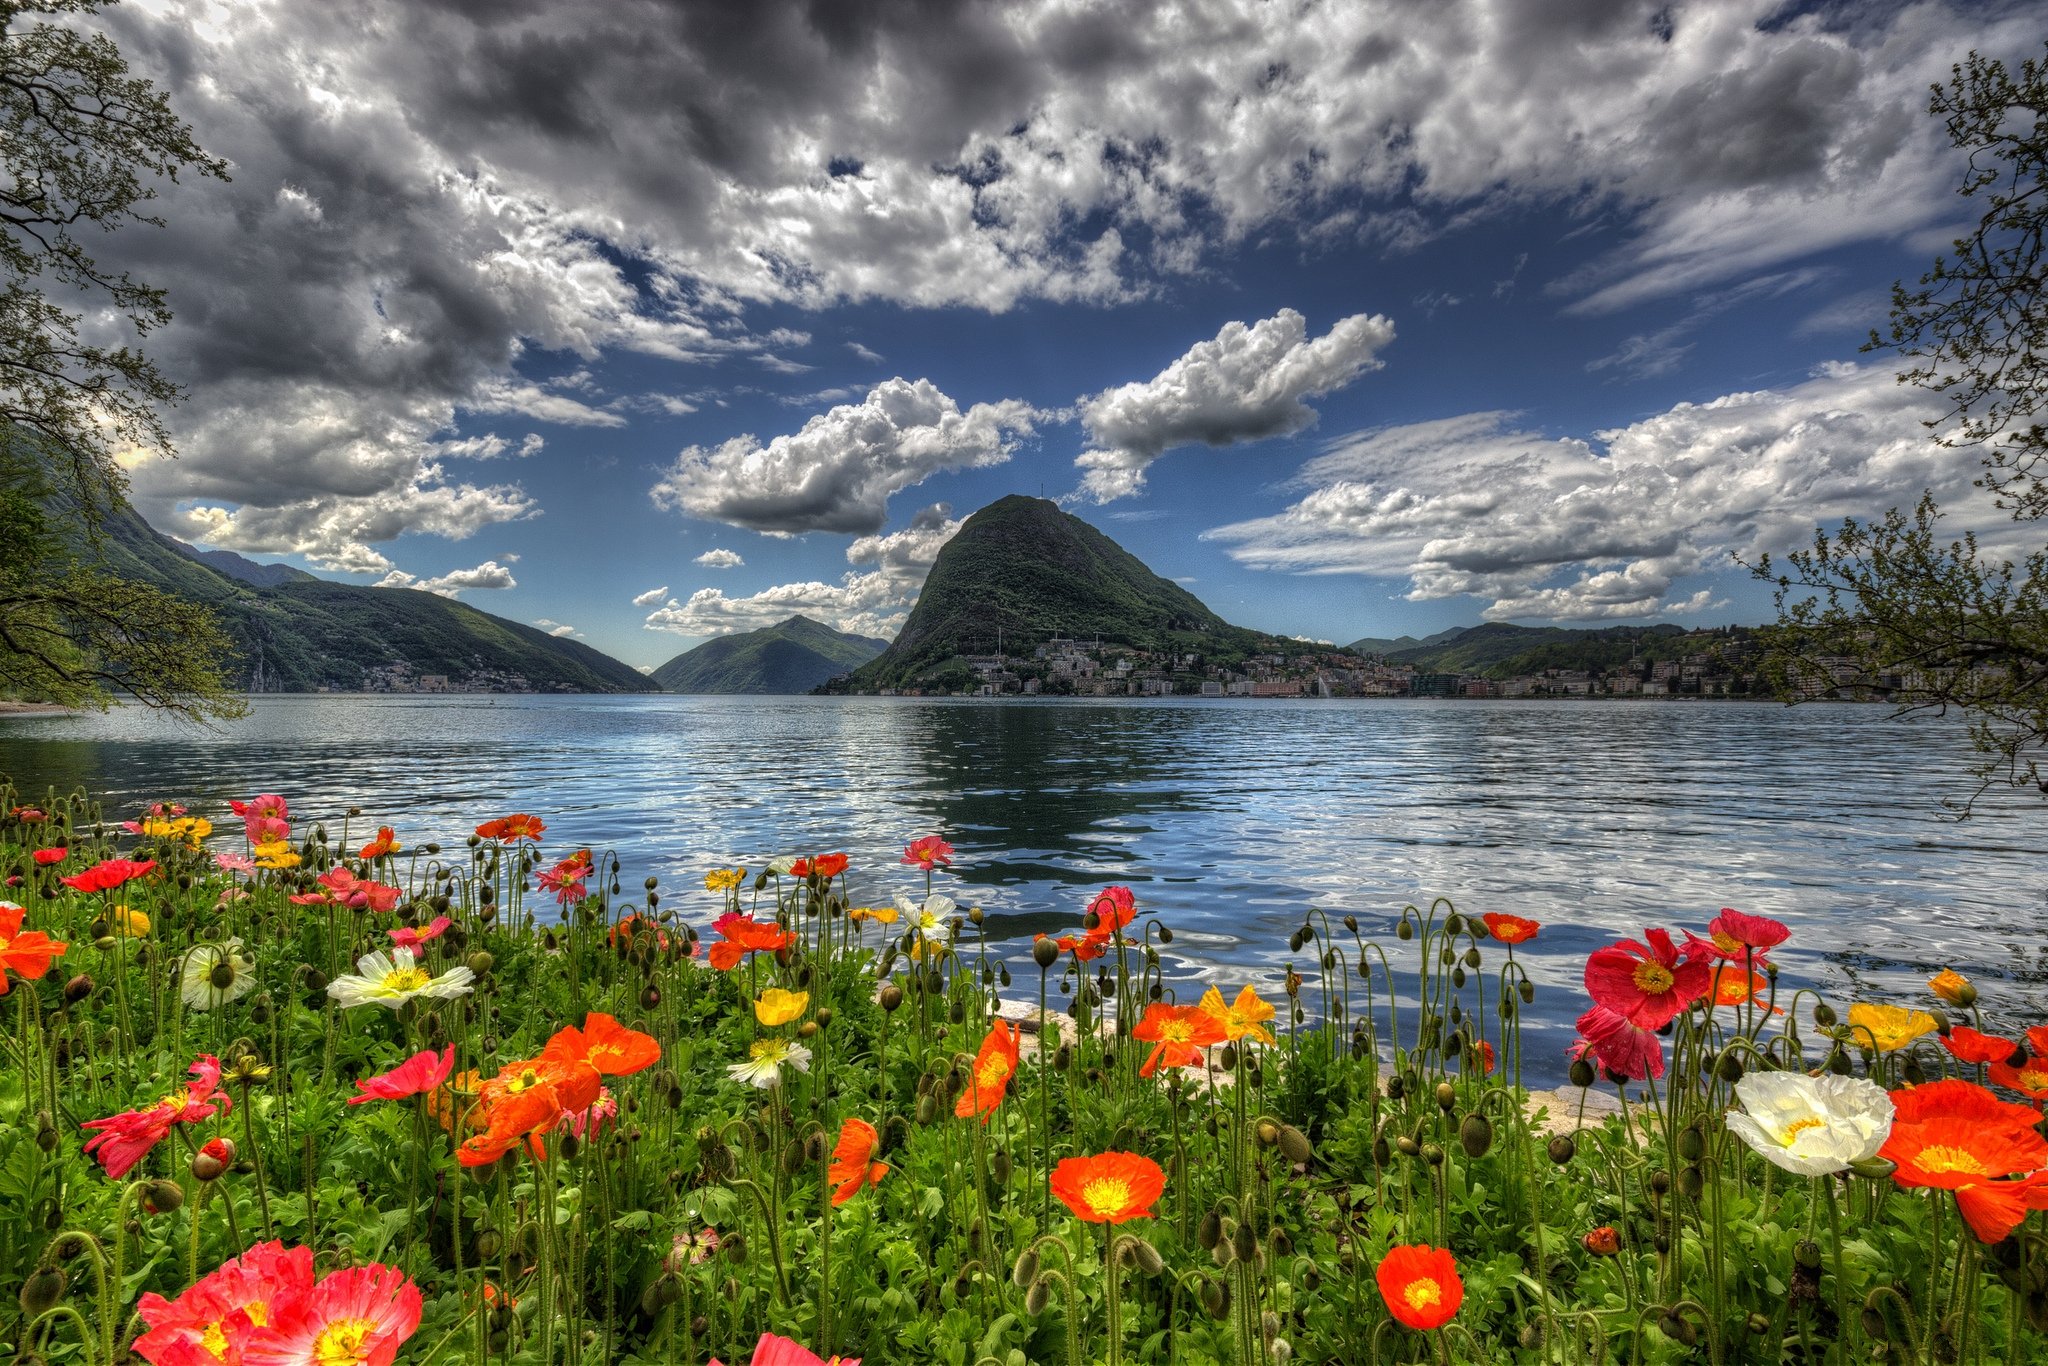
992,1071
1726,942
406,979
1106,1195
1176,1031
1800,1126
2034,1079
1423,1294
767,1050
1653,979
525,1081
341,1342
1942,1158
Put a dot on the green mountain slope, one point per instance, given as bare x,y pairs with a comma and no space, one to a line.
1499,650
1022,571
303,633
792,656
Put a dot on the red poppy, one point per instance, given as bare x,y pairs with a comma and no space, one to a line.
565,879
526,1097
989,1080
1485,1052
853,1161
605,1044
1178,1034
385,845
1109,1188
1648,984
28,815
1954,1098
1972,1160
2029,1078
1735,932
513,828
1967,1045
1622,1049
55,854
1085,948
406,937
214,1319
778,1351
358,1316
1510,929
2037,1039
928,852
740,935
824,866
420,1073
1112,909
1602,1241
28,953
120,1141
1420,1285
108,874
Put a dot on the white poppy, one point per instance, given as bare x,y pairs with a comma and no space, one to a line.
763,1067
392,981
1814,1126
211,975
927,918
781,866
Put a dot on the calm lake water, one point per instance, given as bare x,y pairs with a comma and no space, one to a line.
1230,818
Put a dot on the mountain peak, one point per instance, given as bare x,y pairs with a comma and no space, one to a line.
792,656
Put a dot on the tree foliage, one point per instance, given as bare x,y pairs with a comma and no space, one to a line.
82,144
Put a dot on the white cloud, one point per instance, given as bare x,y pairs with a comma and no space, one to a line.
650,597
838,472
555,628
719,558
1570,529
871,602
489,574
488,446
1248,383
863,353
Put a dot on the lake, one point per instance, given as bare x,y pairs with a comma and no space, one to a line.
1229,817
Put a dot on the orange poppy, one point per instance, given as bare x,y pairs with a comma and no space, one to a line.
28,952
2030,1078
1731,990
1510,929
1420,1285
1967,1045
1954,1136
1109,1188
386,843
1085,948
524,1098
853,1160
740,935
606,1045
824,866
2037,1038
989,1080
1178,1034
1954,1098
517,826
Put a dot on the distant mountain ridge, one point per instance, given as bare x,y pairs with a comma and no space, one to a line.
295,632
1497,649
792,656
1022,571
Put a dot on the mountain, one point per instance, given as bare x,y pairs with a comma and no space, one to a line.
1020,572
298,633
1499,650
1374,645
792,656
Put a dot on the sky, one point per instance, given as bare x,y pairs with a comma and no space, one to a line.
645,322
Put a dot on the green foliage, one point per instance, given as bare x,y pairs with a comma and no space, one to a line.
1020,572
792,656
1500,650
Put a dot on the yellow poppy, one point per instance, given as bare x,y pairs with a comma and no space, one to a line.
881,915
1953,987
129,924
723,879
1243,1018
779,1007
1887,1028
277,854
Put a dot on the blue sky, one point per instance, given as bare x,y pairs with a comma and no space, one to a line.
1365,323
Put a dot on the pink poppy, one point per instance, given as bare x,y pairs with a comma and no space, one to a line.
234,863
421,1072
406,937
597,1115
1621,1048
361,1315
1113,908
777,1351
120,1141
1734,933
928,852
211,1321
1648,984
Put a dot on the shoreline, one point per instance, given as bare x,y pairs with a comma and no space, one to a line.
8,709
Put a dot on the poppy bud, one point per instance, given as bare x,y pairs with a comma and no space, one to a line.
213,1160
1382,1151
1062,1058
1823,1015
1397,1089
1806,1253
481,962
734,1246
1446,1097
1294,1143
1000,1166
1146,1256
1679,1328
730,1289
1267,1133
1475,1135
1603,1241
571,1145
489,1243
1407,1146
1432,1154
1244,1244
927,1109
41,1290
1038,1296
1563,1149
162,1197
1216,1298
1582,1074
891,998
78,988
650,997
1025,1272
1692,1144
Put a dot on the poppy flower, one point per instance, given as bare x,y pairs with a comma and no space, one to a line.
1967,1045
422,1072
129,924
1954,1098
524,1098
234,863
1812,1126
1178,1034
276,855
853,1161
392,980
1109,1188
1621,1048
928,852
723,879
1736,934
120,1141
765,1061
1085,948
211,975
1484,1052
824,866
1952,987
384,846
565,879
1510,929
108,874
633,926
604,1044
1602,1241
1647,984
511,829
881,915
2030,1078
927,918
1112,909
214,1319
27,953
268,805
29,815
1729,988
55,854
1967,1151
1244,1018
408,937
340,887
1420,1285
994,1065
774,1351
740,935
358,1316
593,1117
778,1007
1887,1029
2037,1039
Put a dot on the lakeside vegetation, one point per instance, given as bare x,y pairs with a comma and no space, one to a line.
277,1090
